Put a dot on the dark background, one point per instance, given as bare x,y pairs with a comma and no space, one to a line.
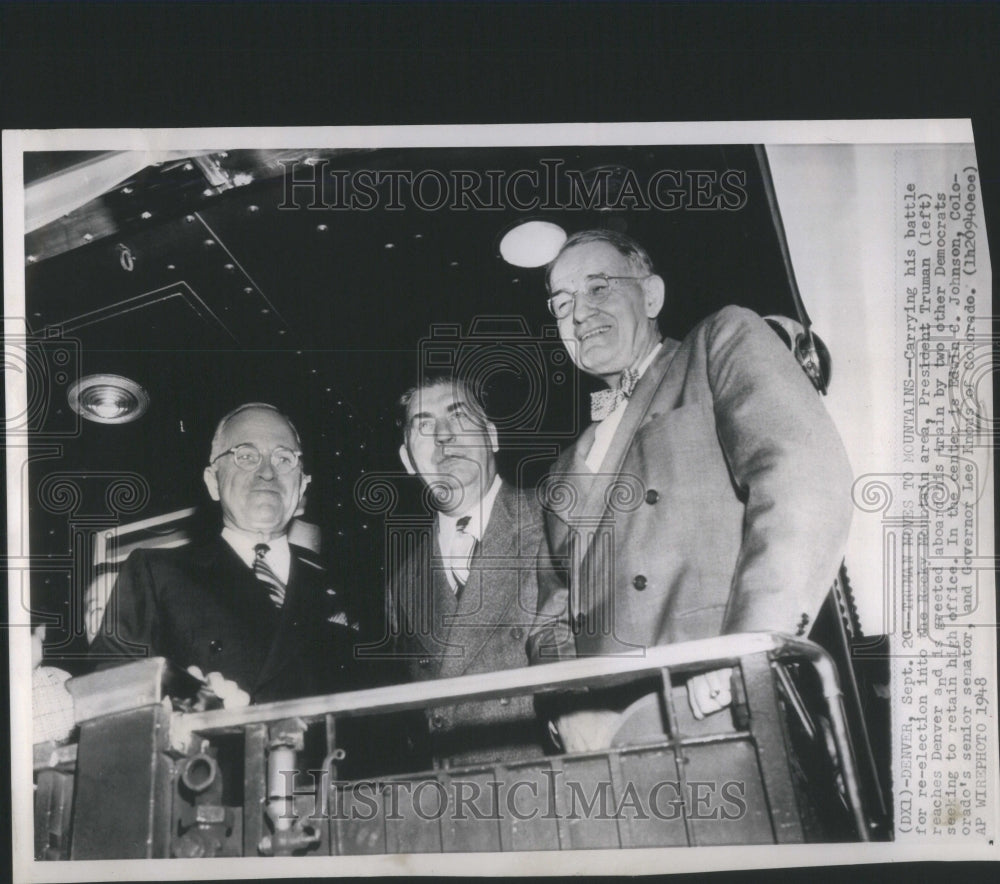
259,294
207,64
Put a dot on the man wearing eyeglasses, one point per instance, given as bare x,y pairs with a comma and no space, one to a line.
253,612
733,498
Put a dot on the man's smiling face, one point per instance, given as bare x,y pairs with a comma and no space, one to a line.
606,338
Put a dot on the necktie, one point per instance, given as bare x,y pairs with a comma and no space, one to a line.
262,571
603,402
463,545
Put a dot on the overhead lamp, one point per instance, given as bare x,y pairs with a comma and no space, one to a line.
532,243
108,399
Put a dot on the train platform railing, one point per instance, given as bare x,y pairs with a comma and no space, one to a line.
147,777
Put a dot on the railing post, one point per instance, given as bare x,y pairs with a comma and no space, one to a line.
768,732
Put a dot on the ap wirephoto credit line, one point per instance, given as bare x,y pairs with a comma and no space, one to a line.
540,492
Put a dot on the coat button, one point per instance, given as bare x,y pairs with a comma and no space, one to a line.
652,496
424,662
215,646
505,701
437,722
639,582
517,633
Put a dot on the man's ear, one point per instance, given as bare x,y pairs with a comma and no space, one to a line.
655,294
211,478
491,431
404,456
300,508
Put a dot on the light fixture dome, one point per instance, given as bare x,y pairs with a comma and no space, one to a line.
532,243
108,399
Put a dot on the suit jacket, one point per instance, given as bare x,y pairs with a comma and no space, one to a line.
483,630
202,606
722,505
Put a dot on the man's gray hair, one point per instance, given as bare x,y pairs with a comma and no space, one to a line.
217,449
625,245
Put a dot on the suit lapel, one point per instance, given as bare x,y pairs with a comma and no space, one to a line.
583,491
283,648
225,578
638,405
587,520
231,582
430,601
442,596
487,595
422,594
568,489
302,618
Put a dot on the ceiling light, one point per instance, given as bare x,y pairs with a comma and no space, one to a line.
532,243
108,399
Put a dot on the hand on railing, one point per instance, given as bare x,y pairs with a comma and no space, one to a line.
51,703
587,730
710,692
229,692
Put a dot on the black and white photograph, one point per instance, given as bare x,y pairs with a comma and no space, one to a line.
568,494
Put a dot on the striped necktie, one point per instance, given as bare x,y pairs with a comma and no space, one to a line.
263,572
463,545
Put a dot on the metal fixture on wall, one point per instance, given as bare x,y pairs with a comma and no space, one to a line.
108,399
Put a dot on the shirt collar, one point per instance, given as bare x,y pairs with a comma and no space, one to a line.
479,516
279,555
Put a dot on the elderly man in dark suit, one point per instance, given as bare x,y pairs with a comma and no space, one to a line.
464,599
255,613
733,487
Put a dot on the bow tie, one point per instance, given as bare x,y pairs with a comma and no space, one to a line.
603,402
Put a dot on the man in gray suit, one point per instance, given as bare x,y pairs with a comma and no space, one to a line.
465,597
718,485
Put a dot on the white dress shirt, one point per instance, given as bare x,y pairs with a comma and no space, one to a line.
279,556
605,431
479,517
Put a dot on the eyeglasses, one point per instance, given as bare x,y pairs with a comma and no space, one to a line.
598,287
248,457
